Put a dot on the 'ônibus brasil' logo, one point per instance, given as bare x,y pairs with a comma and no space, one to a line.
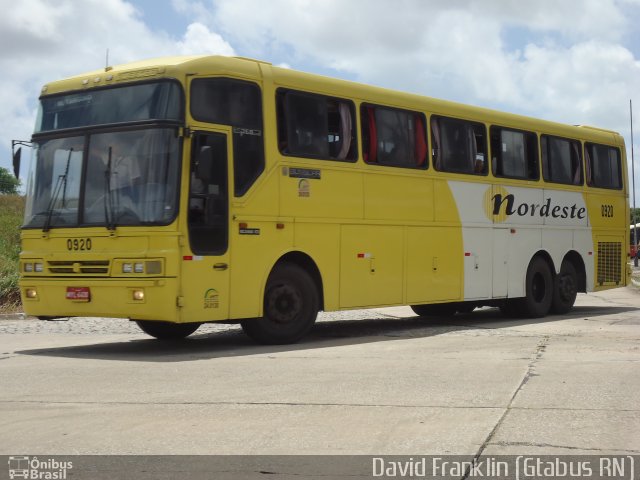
211,298
499,205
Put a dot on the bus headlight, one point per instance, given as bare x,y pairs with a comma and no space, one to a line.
138,295
31,293
33,266
140,266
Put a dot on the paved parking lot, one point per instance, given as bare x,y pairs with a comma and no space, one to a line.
365,382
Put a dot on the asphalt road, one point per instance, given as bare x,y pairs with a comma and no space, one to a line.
364,382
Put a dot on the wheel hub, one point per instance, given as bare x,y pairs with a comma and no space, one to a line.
284,304
566,287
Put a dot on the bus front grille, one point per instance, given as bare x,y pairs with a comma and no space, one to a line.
84,267
609,262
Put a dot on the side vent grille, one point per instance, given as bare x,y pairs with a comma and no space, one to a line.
609,262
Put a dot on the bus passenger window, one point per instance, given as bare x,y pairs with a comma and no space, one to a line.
393,137
459,146
561,160
603,166
315,126
514,154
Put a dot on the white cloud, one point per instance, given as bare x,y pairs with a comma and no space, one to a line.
44,40
199,40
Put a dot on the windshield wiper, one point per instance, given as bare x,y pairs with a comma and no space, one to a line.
61,185
109,213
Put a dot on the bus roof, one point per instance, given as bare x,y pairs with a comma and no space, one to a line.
250,69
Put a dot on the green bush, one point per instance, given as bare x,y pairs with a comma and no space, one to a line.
11,213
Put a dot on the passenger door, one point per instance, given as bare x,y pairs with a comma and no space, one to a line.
205,259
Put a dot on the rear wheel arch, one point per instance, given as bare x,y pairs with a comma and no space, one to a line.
547,258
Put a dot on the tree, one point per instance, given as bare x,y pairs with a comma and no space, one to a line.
8,183
637,217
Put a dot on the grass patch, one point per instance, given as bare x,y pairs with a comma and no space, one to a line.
11,215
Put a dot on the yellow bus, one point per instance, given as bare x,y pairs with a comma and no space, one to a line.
179,191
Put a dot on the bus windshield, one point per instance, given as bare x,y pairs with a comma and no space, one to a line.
104,179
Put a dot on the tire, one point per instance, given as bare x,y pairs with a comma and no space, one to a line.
539,289
435,310
167,330
565,289
291,304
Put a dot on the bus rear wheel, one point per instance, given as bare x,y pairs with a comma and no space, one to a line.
291,304
565,289
167,330
539,289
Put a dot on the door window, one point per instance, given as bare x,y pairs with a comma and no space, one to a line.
208,195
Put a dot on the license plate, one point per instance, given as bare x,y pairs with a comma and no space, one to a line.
78,294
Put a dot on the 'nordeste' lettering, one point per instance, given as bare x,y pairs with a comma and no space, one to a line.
535,209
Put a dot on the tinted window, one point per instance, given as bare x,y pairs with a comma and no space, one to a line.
238,104
561,160
459,146
514,153
133,103
316,126
603,166
393,137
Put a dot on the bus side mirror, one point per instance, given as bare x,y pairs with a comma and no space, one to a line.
16,162
18,153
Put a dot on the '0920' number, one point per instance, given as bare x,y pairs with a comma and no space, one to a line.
78,244
607,210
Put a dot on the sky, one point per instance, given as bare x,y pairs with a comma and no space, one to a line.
572,61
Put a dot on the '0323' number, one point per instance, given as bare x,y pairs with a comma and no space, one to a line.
79,244
607,210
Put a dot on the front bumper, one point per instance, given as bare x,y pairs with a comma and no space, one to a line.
114,298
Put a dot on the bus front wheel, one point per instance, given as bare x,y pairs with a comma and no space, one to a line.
167,330
291,304
435,310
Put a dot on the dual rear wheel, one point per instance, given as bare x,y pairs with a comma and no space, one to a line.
544,292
